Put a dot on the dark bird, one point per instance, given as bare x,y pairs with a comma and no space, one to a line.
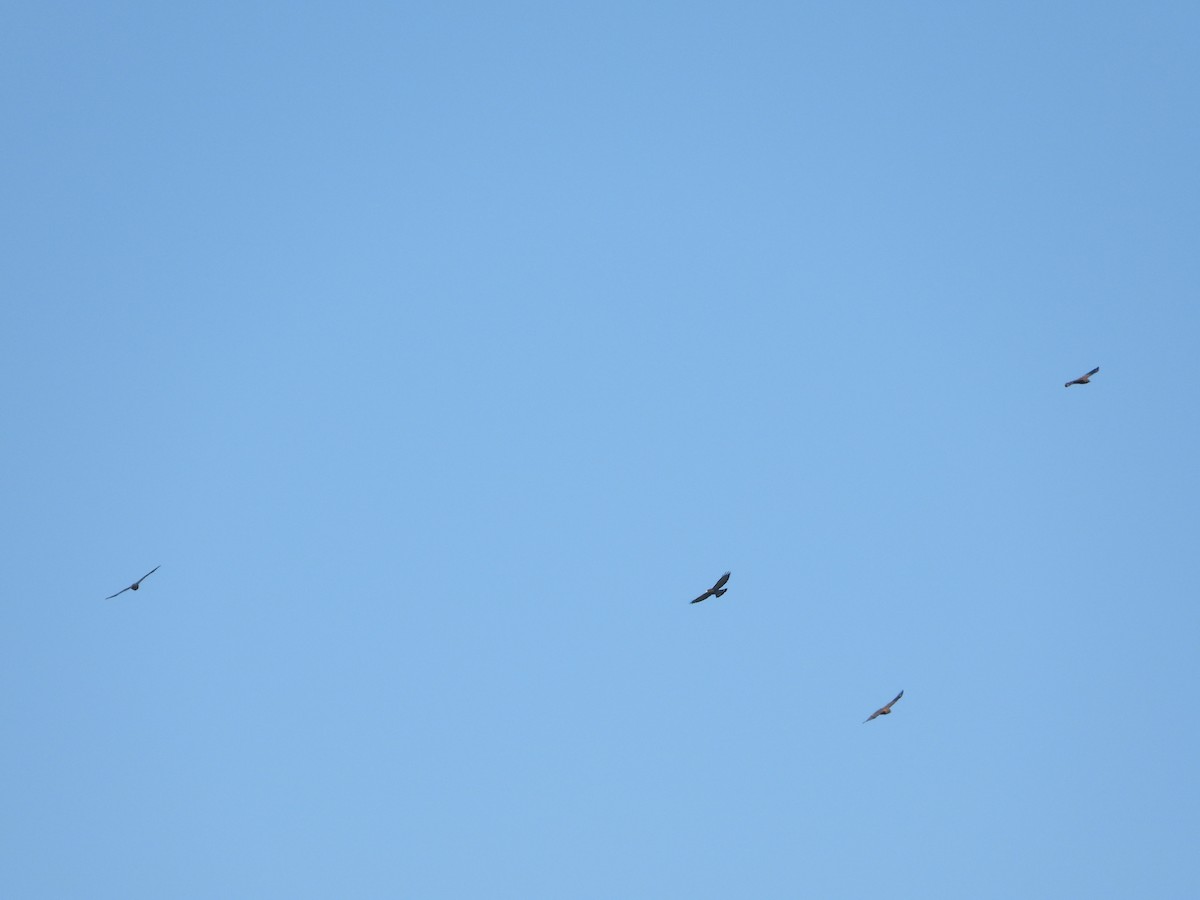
1083,379
716,590
137,584
884,710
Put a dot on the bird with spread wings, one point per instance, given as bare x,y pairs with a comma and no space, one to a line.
884,710
1083,379
137,584
716,590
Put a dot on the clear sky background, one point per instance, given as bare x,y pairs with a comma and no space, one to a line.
441,352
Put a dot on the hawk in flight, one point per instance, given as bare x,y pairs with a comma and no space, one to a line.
883,710
137,584
1083,379
716,590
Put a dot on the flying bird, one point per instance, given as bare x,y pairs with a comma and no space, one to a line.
137,584
884,710
1083,379
716,590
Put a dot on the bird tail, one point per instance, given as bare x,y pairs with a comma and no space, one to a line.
721,592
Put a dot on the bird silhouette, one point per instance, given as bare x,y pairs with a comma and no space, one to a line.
716,590
1083,379
884,710
135,585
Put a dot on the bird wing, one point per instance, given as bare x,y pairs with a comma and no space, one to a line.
894,699
118,593
871,716
148,574
1093,372
703,596
721,582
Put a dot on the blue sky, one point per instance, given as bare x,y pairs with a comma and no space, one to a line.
441,353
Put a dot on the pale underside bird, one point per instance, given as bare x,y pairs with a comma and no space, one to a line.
137,584
716,590
884,710
1083,379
